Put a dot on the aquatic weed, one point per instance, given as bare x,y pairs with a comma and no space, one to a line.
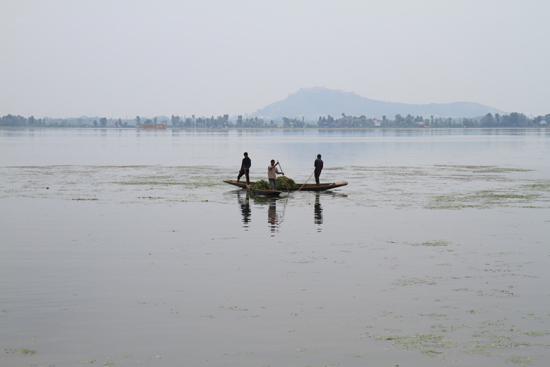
535,333
23,351
413,281
233,308
432,243
500,170
520,361
425,343
542,185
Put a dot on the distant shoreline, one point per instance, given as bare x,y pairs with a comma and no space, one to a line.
273,128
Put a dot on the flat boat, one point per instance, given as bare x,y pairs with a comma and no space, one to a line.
307,187
266,192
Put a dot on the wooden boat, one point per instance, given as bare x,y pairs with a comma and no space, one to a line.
257,192
266,192
307,187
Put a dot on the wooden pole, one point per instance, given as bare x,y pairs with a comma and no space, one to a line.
286,183
307,180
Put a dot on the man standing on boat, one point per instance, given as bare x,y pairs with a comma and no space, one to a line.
245,168
318,168
272,173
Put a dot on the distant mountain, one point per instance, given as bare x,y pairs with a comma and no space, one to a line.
314,102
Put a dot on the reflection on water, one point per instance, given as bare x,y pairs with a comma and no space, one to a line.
275,215
244,201
272,219
318,212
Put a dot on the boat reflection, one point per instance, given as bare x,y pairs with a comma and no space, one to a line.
272,218
275,215
318,212
244,201
276,208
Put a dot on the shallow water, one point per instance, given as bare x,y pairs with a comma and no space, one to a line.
124,246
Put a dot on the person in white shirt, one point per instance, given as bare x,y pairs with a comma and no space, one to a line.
272,173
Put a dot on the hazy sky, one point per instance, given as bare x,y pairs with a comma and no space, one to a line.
119,58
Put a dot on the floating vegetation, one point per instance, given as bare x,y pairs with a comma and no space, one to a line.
542,185
520,361
535,333
24,351
491,195
283,182
481,199
425,343
432,243
233,308
500,170
413,281
260,185
446,329
436,315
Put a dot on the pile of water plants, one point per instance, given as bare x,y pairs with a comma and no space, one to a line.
280,184
260,185
283,181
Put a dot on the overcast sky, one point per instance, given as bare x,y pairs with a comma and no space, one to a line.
119,58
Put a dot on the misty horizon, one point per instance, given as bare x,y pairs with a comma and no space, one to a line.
125,58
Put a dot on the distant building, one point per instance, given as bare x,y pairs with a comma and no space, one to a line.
377,123
154,126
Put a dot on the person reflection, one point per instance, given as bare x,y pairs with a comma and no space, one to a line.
244,201
318,212
272,219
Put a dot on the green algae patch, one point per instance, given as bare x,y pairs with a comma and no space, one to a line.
427,344
413,281
500,170
233,308
520,361
484,199
535,333
23,351
539,186
432,243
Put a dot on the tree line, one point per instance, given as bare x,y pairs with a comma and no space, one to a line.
513,119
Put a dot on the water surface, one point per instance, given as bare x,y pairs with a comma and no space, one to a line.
124,246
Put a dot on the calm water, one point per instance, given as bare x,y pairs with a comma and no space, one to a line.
124,247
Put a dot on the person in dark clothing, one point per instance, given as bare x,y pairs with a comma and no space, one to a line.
318,168
245,168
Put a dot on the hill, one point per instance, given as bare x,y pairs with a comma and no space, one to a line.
314,102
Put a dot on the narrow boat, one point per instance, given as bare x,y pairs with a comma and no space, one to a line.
266,192
306,187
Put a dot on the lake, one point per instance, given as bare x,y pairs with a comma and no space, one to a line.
123,247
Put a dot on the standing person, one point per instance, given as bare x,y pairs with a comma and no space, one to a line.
318,168
272,173
245,168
